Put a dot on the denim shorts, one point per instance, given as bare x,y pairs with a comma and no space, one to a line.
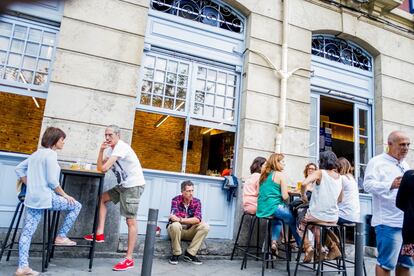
389,242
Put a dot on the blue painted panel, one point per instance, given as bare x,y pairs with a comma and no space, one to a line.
45,9
338,77
161,187
8,178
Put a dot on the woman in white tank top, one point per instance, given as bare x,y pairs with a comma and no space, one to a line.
323,207
349,208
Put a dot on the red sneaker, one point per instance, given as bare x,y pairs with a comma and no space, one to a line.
99,237
124,265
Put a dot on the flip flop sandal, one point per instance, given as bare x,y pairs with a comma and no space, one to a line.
26,272
64,242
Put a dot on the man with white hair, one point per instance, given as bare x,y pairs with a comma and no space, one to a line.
382,179
118,156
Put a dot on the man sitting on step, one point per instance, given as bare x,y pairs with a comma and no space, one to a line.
185,224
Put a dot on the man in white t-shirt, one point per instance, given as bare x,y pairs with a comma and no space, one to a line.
118,156
382,179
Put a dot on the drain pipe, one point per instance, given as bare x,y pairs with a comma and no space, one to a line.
284,77
282,73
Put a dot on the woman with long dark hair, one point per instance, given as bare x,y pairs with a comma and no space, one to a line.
323,206
40,172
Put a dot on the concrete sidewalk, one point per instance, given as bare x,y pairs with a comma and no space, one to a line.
216,267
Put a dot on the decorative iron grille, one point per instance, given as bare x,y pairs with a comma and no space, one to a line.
340,50
203,11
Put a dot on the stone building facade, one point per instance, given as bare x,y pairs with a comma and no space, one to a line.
348,66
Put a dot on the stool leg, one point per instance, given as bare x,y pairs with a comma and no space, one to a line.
15,231
342,244
286,237
45,219
320,262
265,248
6,239
257,237
237,238
300,250
251,228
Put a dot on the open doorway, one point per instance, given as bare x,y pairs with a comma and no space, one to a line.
337,131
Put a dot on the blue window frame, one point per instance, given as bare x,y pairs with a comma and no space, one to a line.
26,52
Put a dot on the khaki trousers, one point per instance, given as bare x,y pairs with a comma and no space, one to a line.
196,234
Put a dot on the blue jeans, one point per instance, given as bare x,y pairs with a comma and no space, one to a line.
283,212
389,242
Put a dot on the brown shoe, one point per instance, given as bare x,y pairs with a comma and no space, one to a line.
308,255
334,253
274,248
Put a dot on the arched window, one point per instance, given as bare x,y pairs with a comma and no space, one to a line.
203,11
342,51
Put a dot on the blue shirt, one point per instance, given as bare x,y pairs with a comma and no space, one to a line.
42,170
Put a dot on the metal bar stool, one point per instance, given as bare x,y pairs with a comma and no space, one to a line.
245,248
253,221
343,228
266,249
340,265
18,213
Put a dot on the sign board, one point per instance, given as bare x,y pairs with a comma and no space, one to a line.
411,3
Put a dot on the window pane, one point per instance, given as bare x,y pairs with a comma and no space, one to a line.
148,74
35,35
157,101
29,63
221,77
46,52
169,103
32,49
202,72
48,38
171,78
199,96
221,89
363,150
28,76
219,101
14,60
169,91
230,103
161,64
17,46
145,99
219,113
146,86
149,62
210,151
363,126
172,66
181,93
201,85
183,69
5,29
182,80
43,66
159,76
198,109
208,111
179,105
229,115
211,75
4,43
158,89
166,137
209,98
231,79
11,74
2,57
40,79
231,91
20,32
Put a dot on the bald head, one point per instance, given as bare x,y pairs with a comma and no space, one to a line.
398,144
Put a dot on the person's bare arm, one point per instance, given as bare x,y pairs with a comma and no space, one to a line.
312,178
